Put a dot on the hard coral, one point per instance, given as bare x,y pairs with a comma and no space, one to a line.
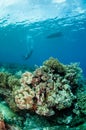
54,65
82,102
48,88
8,84
24,97
26,78
3,79
73,74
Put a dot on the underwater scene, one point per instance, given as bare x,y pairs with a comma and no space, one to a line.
42,64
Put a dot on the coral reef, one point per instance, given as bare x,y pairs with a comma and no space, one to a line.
53,94
54,65
73,75
48,88
3,79
8,84
24,97
81,100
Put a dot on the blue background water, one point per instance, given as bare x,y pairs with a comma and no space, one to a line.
34,19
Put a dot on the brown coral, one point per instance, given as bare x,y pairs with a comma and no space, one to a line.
24,97
2,125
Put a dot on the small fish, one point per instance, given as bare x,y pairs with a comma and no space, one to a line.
55,35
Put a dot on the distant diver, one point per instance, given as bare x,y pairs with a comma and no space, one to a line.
29,47
55,35
28,55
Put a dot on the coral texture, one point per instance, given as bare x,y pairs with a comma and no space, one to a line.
8,84
82,102
48,88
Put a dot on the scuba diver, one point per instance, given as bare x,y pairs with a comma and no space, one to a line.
29,47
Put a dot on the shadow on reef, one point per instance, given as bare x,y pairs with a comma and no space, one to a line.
50,97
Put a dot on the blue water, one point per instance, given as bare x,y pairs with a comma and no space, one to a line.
25,25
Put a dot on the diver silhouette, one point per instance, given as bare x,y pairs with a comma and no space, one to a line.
29,47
